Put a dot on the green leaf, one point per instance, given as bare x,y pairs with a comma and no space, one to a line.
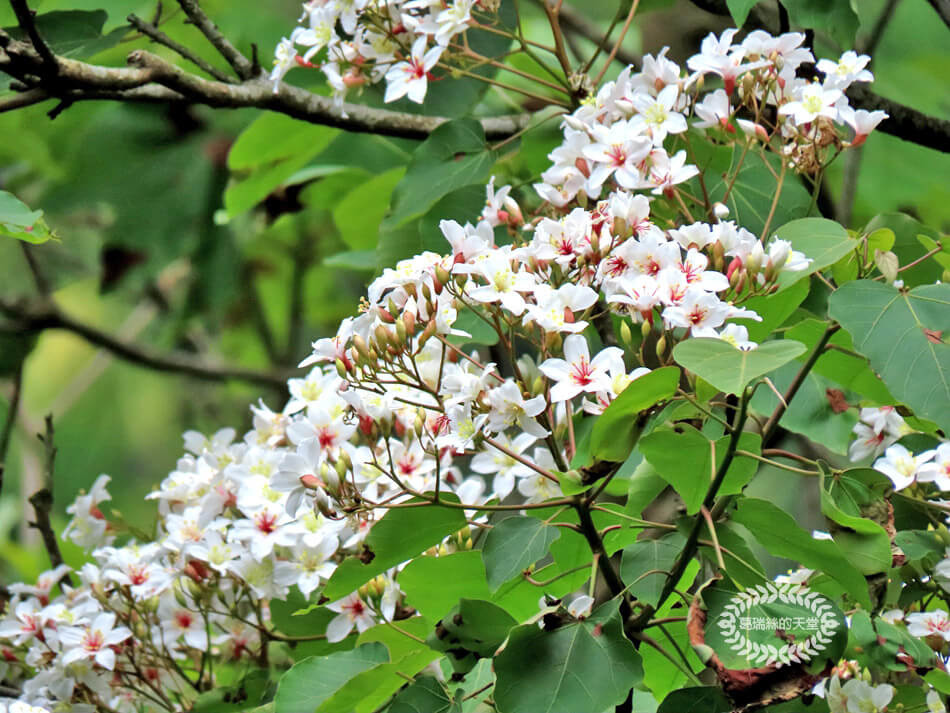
778,532
645,555
698,699
358,214
920,544
645,484
730,369
305,687
402,533
461,574
684,458
863,541
850,371
514,544
810,412
614,433
900,333
837,19
367,691
75,34
823,241
455,155
468,321
425,695
773,309
241,696
739,9
751,196
584,666
267,153
363,260
720,602
470,631
18,221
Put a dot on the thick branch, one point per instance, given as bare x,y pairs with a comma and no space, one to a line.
36,319
152,79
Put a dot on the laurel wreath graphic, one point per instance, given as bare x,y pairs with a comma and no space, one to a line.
769,654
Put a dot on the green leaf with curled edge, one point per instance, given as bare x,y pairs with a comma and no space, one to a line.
311,682
902,334
18,221
730,369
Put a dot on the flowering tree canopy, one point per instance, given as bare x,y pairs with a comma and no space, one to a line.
524,472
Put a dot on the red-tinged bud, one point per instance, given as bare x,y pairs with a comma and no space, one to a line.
311,481
740,285
581,165
730,83
409,321
385,316
727,126
733,266
191,570
858,140
9,655
302,62
503,216
669,192
366,425
96,512
568,315
353,79
399,428
399,29
442,277
341,369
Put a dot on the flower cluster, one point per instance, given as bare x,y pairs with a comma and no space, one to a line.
394,407
391,409
620,135
361,42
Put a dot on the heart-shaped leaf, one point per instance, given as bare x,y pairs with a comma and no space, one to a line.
730,369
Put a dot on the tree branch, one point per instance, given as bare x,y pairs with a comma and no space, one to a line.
942,8
42,502
153,79
37,318
24,18
242,66
578,24
12,408
151,31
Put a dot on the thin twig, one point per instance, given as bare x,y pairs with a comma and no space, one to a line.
24,17
148,29
241,65
42,502
797,382
623,33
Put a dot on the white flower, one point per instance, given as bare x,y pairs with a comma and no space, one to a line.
409,78
353,611
902,466
578,373
94,641
815,100
858,696
931,623
850,68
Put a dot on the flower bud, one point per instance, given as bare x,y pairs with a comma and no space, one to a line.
341,369
721,211
626,336
661,347
645,329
